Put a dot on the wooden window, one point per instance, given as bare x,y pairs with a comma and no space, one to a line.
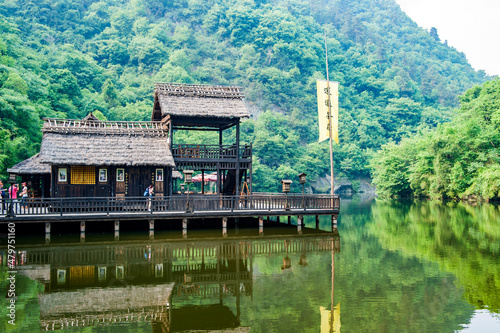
83,175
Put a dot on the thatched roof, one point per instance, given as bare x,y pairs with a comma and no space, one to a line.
74,142
177,174
199,101
30,166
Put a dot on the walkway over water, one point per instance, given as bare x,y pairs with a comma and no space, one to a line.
172,207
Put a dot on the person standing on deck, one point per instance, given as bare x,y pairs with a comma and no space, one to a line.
151,192
3,196
13,189
24,197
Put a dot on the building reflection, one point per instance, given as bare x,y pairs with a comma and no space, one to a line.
174,284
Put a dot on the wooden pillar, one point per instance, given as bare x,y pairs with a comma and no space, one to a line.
334,222
261,225
47,232
82,231
224,226
237,191
299,224
278,219
202,181
289,219
250,185
317,221
117,229
218,179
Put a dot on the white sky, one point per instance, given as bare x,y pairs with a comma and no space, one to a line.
470,26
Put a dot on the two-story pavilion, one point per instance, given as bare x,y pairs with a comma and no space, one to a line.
207,108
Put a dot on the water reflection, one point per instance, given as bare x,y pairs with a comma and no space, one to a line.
170,285
404,267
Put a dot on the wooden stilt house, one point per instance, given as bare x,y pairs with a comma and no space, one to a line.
207,108
92,158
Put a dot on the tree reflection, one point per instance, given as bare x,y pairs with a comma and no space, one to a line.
464,240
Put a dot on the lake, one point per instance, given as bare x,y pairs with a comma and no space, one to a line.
389,267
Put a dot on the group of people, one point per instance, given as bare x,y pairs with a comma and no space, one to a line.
11,206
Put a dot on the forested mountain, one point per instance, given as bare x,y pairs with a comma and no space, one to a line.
65,58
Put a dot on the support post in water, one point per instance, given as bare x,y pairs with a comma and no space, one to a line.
261,226
82,232
299,224
224,226
117,230
184,227
151,228
334,222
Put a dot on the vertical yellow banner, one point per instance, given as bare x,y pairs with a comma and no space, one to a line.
328,92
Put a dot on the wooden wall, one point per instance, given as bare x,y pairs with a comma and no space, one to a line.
112,181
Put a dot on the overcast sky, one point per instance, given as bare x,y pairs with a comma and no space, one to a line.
470,26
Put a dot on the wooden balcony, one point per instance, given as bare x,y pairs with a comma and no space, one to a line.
211,152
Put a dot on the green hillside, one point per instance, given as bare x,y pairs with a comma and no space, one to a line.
459,159
64,58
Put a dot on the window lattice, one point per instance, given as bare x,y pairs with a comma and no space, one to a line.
83,175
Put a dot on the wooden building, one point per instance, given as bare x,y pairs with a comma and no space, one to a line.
207,108
92,158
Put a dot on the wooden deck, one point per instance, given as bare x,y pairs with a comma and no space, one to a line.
173,207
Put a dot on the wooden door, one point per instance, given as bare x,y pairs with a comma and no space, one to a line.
138,180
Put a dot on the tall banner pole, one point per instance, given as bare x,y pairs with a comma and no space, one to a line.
329,119
332,308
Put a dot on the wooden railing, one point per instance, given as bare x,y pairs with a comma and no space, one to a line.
173,204
109,127
211,151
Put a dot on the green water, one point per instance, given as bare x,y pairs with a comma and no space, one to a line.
397,267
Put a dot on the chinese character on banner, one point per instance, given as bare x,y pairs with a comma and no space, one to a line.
328,109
